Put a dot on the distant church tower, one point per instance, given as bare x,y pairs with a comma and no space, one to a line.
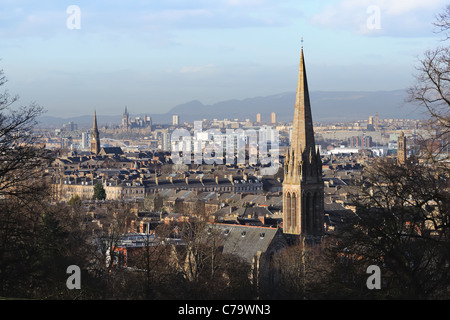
95,137
125,119
303,188
401,149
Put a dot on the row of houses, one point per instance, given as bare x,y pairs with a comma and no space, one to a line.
132,176
66,187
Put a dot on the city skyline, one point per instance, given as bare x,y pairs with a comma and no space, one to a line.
154,57
338,190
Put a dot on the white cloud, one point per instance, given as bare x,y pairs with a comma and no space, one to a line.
244,2
176,16
395,18
25,18
399,7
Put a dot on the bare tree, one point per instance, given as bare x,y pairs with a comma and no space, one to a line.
402,224
432,91
307,272
24,211
208,272
21,159
116,219
442,22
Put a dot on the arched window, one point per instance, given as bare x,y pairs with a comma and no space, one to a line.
318,223
294,211
315,212
309,213
288,209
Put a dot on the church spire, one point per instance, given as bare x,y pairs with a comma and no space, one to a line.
94,126
95,136
303,195
125,119
302,131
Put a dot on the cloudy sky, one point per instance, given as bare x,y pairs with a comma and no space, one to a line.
72,57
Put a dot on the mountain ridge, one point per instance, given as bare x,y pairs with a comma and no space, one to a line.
327,106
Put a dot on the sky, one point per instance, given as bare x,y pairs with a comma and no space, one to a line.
73,57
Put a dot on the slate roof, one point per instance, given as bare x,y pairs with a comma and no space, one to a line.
246,241
111,150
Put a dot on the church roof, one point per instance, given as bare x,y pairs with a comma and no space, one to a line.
111,150
246,241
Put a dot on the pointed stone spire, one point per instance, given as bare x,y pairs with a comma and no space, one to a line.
302,131
95,137
303,189
94,126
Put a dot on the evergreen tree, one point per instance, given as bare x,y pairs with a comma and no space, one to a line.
99,191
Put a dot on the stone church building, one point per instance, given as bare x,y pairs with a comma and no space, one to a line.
303,187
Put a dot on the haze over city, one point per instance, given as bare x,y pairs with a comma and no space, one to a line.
152,56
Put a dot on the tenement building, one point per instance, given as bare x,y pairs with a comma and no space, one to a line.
119,184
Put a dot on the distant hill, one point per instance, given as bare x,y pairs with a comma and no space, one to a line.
326,107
